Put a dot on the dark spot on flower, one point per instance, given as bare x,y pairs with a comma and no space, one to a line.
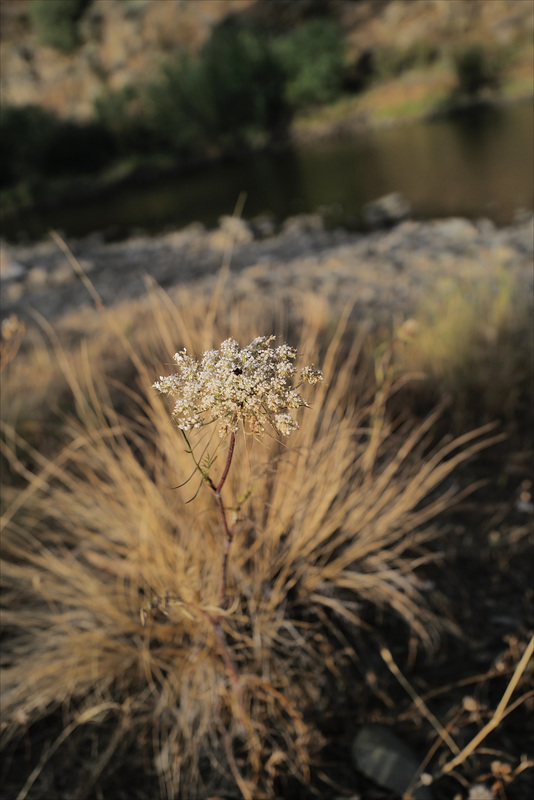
237,371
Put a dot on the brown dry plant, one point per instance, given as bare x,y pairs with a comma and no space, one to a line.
109,575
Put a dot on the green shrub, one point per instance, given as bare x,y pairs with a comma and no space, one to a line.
56,22
229,96
246,83
479,67
313,59
178,112
388,62
124,114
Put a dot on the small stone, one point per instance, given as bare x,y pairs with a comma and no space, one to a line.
456,228
522,216
10,270
61,275
13,292
387,210
486,226
480,792
303,223
37,277
263,226
386,759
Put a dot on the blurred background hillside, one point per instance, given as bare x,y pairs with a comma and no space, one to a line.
115,91
105,45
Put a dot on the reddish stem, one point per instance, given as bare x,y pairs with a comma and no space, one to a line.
228,462
227,658
228,532
228,538
230,666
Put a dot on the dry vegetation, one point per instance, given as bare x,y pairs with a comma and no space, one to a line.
112,681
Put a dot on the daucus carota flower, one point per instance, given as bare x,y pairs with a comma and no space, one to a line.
252,386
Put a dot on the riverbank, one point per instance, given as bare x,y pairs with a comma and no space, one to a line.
414,95
380,272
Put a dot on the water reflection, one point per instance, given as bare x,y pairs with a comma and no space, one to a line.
474,164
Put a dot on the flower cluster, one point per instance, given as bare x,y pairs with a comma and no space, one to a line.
252,386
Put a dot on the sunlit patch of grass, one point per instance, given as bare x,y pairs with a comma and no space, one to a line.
519,80
473,342
411,105
109,572
414,93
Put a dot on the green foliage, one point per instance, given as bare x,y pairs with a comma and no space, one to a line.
56,22
179,113
245,82
124,114
228,97
313,58
479,67
388,62
238,92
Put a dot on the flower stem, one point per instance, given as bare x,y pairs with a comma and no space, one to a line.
228,538
230,666
227,659
228,462
228,532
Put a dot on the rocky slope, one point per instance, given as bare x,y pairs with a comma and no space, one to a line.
382,272
126,41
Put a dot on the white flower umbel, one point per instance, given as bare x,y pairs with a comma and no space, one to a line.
252,386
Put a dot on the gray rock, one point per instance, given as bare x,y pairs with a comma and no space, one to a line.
387,210
12,293
383,272
521,216
486,227
10,270
37,277
383,757
303,223
62,275
456,228
263,226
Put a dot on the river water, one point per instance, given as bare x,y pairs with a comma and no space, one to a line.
478,163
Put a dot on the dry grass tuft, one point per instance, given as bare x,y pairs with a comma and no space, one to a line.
473,340
109,572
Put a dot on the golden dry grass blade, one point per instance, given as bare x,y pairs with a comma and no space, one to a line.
497,715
